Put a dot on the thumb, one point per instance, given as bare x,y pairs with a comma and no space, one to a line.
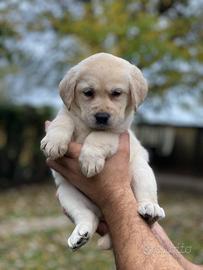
124,144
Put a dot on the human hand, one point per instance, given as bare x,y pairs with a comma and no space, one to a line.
105,187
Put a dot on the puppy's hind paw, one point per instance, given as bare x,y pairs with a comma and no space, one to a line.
79,237
91,163
151,211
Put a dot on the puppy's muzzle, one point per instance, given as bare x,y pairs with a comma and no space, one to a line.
102,118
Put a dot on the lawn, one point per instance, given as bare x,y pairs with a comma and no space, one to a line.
41,247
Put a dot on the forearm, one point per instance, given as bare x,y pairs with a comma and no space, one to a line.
132,238
166,243
134,244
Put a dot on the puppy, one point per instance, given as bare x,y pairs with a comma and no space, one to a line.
100,95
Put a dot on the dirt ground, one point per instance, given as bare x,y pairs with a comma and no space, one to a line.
33,230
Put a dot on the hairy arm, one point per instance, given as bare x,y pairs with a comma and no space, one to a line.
111,191
134,244
166,243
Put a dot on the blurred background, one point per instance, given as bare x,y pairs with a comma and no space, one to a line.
39,41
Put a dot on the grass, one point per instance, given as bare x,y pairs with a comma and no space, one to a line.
47,250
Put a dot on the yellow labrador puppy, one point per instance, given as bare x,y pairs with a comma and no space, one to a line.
100,95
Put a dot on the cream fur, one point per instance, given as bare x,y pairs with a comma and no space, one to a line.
76,121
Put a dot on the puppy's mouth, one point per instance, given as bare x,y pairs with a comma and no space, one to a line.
101,126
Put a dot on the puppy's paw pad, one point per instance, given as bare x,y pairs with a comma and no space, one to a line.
91,163
151,211
54,147
79,237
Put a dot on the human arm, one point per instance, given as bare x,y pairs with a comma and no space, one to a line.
166,243
111,191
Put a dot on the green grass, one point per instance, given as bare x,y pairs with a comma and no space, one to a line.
47,250
184,222
29,201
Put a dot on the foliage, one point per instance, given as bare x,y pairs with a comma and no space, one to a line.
164,38
21,129
8,52
8,33
144,32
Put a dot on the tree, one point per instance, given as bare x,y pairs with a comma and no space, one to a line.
161,36
164,38
8,35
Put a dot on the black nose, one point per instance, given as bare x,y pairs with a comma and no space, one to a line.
102,118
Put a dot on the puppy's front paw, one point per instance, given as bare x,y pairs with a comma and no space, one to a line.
54,146
151,211
91,161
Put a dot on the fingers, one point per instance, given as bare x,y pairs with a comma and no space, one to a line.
70,172
63,161
73,150
65,166
102,228
124,144
69,164
56,166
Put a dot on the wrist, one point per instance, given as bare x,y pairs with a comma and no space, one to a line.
118,201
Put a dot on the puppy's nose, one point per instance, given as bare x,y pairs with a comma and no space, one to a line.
102,118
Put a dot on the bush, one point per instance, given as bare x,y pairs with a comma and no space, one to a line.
21,129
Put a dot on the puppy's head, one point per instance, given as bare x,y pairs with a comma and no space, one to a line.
104,90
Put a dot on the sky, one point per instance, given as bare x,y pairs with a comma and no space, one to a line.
39,75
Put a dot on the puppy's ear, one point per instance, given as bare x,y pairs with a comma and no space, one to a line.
138,87
67,87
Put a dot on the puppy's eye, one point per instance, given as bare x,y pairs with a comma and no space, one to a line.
88,92
115,93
